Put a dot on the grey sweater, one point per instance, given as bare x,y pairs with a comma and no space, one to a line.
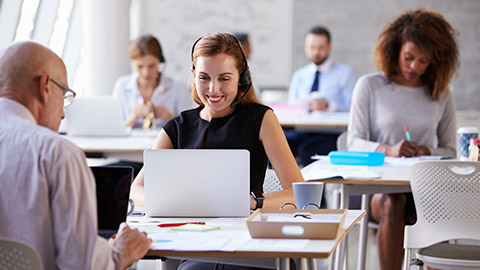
380,111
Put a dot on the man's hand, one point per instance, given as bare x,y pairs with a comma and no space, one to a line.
131,244
319,105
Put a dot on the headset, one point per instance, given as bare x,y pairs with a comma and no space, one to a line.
244,80
161,58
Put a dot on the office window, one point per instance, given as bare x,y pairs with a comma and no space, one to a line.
61,26
26,22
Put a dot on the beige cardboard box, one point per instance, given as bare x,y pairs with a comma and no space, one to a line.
296,223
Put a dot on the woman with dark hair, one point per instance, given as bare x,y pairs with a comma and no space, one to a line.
416,55
149,97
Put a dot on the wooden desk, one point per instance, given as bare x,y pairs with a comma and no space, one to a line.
125,148
233,244
292,116
394,179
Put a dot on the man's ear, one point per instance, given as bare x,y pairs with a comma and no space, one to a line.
43,88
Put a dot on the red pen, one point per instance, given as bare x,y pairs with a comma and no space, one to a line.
164,225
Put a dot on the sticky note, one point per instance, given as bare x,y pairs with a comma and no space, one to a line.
196,228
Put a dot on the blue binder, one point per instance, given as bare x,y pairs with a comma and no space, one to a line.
356,158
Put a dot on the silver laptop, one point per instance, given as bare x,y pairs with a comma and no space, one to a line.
98,116
197,183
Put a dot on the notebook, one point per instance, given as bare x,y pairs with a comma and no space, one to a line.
99,116
197,183
113,192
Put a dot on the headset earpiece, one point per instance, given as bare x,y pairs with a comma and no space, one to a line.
161,58
245,79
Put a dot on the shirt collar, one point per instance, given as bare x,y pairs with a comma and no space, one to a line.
11,106
133,84
325,66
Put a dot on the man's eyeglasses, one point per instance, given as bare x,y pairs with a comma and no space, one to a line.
69,93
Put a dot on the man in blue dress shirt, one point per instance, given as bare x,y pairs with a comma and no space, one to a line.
322,85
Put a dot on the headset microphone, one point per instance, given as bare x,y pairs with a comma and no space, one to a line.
242,97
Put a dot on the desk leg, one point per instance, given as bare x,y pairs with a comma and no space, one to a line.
167,264
363,234
336,205
344,204
303,264
284,264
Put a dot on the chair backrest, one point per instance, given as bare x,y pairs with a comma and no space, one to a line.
17,255
447,201
342,141
271,183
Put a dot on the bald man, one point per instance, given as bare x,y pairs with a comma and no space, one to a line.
47,194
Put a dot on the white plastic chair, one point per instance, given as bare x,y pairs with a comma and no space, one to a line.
271,182
342,141
447,201
18,255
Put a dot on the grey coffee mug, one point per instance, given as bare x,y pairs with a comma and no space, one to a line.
308,195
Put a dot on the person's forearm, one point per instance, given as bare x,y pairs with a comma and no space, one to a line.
275,199
162,113
137,194
131,121
384,148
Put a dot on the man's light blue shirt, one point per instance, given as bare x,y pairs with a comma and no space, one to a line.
336,84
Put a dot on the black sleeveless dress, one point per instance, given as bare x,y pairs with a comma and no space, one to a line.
239,130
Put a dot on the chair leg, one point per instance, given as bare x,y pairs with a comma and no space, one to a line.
406,259
312,264
284,264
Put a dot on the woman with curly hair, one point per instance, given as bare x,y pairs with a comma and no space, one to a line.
416,55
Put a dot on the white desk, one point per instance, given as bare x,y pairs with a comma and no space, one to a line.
394,179
233,244
291,116
126,148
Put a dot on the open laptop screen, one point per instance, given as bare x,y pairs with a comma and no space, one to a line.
96,116
197,182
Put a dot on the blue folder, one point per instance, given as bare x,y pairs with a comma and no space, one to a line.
356,158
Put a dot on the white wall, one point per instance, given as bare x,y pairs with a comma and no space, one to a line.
355,26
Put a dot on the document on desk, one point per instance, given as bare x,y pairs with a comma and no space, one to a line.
216,240
275,244
327,171
409,161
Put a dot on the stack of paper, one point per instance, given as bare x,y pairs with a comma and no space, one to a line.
326,171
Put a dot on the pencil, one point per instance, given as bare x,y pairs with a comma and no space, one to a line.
163,225
407,134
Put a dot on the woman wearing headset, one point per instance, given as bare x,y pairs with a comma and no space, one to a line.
229,116
149,97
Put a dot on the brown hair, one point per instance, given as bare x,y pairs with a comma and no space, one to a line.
319,30
215,44
429,31
146,44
